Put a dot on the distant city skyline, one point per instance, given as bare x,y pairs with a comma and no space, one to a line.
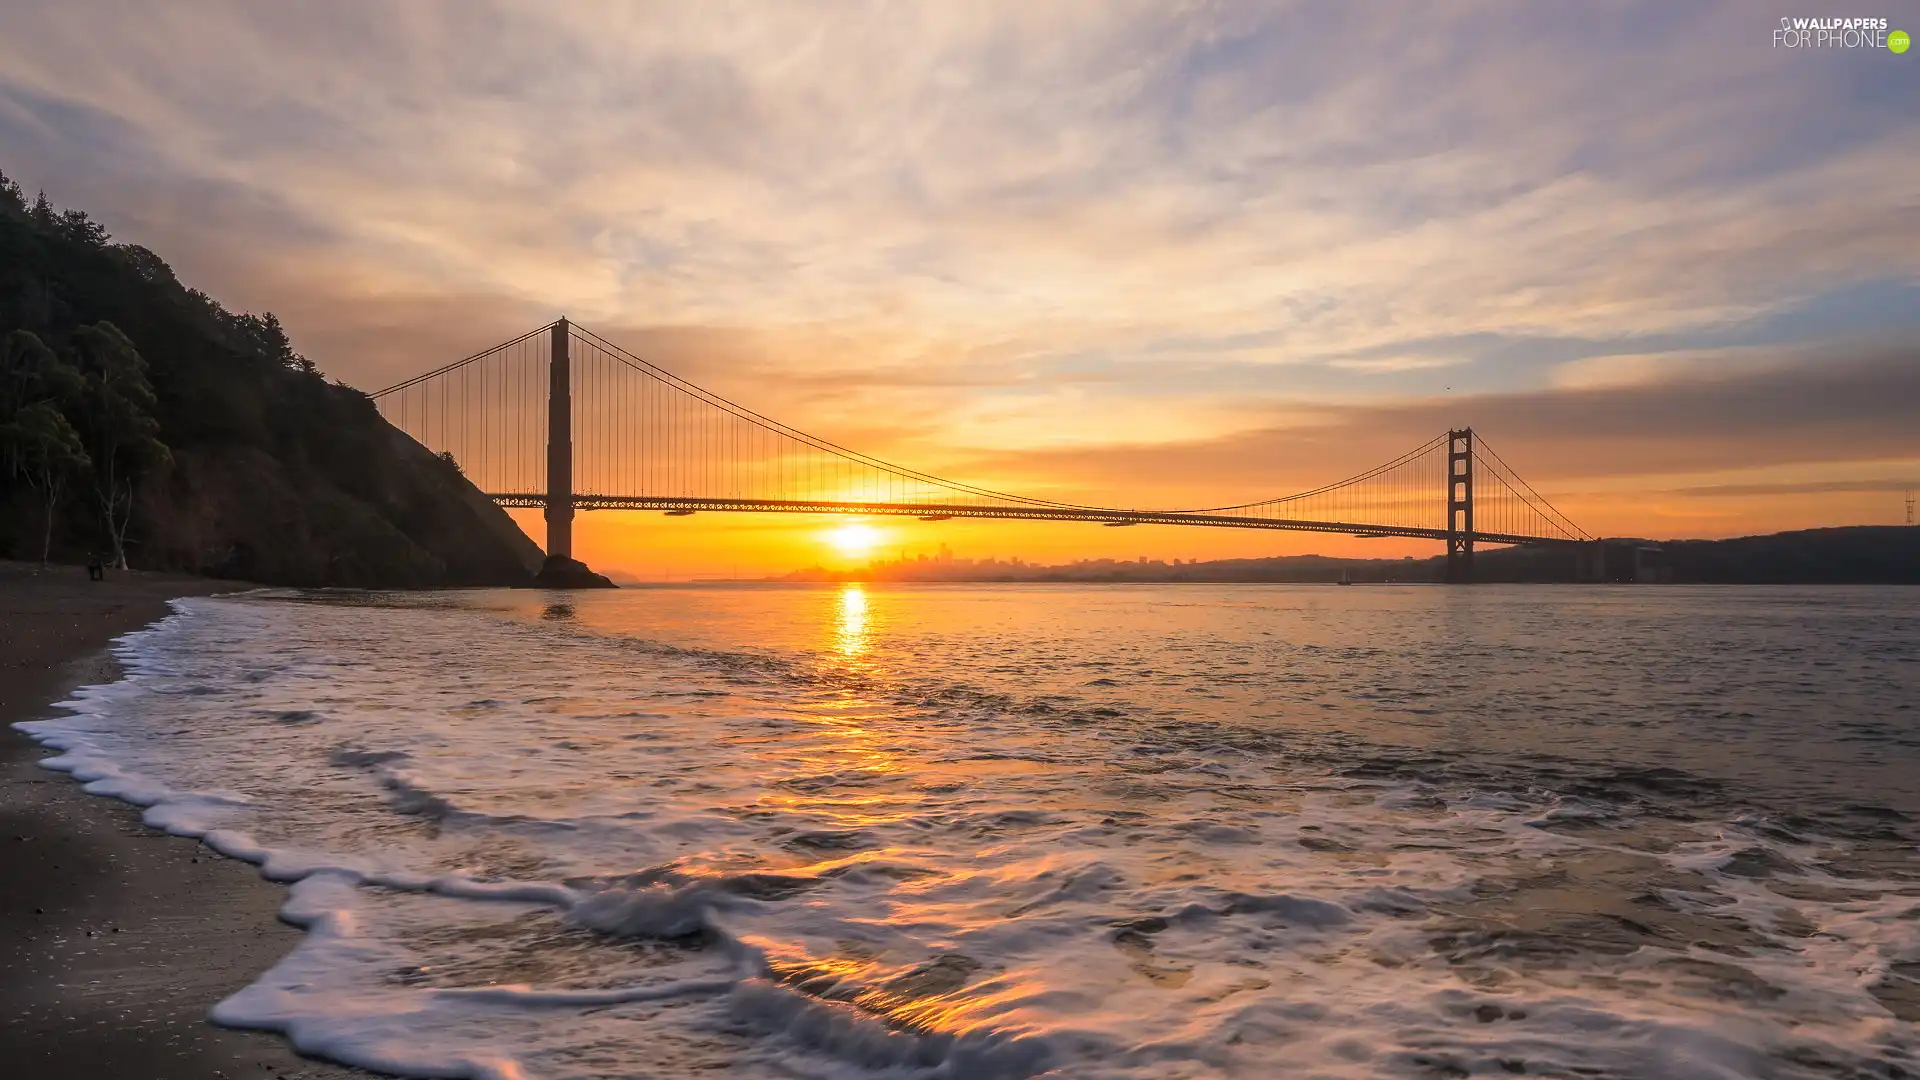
1069,249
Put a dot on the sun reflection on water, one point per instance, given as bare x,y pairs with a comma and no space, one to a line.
851,626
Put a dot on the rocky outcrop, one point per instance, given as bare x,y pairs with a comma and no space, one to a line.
560,572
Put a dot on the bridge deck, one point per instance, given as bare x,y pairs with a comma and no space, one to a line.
1012,513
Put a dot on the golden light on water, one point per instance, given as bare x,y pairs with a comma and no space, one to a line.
851,627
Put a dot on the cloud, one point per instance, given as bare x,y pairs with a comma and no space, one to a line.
1380,365
1824,487
1839,408
1264,240
1646,369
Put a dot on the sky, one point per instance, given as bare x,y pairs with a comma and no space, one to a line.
1143,254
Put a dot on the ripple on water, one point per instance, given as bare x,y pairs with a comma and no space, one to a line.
768,864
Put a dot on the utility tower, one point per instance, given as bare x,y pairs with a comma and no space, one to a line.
1909,506
1460,507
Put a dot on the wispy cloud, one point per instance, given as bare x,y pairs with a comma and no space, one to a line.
1819,487
1852,407
1384,365
1029,225
1642,369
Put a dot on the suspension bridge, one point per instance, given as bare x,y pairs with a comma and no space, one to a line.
566,421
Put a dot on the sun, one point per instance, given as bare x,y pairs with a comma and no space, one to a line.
855,540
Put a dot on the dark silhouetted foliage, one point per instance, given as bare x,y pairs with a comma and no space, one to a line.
209,442
38,443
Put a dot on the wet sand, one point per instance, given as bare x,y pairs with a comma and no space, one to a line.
115,939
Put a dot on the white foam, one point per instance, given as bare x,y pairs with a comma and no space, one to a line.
809,878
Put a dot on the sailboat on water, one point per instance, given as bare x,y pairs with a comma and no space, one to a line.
1346,575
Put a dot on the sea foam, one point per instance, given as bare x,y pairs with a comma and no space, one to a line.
697,860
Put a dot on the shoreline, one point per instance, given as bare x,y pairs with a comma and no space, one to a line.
116,939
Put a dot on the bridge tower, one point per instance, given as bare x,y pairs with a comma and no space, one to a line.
560,447
1460,507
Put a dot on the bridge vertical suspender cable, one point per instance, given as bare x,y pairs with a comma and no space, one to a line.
562,419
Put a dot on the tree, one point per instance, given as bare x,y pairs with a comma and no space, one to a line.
150,268
49,451
270,340
12,199
37,440
122,433
75,225
30,372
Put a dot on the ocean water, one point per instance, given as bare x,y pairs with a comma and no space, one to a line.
1106,832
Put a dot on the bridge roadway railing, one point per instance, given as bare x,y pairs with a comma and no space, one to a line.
671,504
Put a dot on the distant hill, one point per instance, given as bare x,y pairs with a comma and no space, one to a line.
1864,555
271,473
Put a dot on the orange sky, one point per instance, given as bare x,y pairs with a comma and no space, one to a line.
1144,254
649,547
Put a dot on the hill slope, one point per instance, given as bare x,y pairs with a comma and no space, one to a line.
276,475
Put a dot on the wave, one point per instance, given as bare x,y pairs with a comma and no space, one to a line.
943,881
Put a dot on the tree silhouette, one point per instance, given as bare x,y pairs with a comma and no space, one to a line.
122,433
270,340
37,441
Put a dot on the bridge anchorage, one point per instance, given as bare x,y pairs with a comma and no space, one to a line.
563,420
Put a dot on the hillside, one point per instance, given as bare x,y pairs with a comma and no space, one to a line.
1861,554
252,465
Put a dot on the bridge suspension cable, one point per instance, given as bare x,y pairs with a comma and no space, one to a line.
643,437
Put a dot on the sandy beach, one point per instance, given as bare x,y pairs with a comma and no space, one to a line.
115,939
